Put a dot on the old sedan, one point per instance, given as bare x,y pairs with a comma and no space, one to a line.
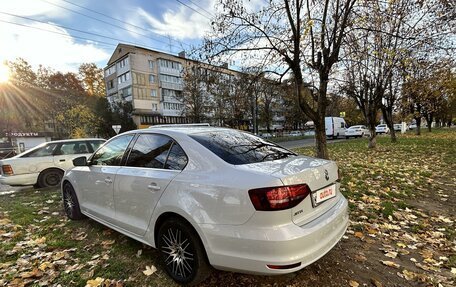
44,165
206,196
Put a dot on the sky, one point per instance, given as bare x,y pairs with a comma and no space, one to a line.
62,34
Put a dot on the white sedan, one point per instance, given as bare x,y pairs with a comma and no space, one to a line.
357,131
382,129
211,196
45,164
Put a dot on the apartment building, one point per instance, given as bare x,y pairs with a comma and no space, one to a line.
151,81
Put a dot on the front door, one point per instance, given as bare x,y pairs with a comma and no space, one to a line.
96,181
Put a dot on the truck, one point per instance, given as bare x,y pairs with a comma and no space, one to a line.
335,127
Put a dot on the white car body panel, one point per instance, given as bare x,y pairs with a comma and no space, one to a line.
212,195
96,189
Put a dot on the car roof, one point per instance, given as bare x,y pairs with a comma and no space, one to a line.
75,140
182,129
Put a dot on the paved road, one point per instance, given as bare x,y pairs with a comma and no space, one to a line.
305,142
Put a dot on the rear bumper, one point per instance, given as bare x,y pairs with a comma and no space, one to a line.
249,249
19,179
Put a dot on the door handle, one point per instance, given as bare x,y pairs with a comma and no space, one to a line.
62,160
153,186
108,180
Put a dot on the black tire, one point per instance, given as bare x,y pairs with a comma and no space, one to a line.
50,178
347,137
71,203
177,242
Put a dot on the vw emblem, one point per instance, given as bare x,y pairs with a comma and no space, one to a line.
326,174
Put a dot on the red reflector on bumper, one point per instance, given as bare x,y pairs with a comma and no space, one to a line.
290,266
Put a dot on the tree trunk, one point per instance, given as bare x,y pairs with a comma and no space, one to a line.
388,116
418,126
320,138
429,119
372,138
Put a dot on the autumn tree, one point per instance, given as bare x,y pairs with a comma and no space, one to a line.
93,79
194,96
427,91
303,38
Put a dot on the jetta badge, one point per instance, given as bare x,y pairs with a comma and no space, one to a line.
326,174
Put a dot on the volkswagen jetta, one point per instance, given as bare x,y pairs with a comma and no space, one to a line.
206,196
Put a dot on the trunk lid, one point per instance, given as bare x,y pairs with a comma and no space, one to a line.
318,174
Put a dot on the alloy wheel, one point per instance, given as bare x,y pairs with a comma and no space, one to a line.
179,253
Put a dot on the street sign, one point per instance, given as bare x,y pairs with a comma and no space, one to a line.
116,128
342,114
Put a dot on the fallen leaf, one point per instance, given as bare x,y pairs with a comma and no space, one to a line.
138,254
391,254
150,270
376,282
359,234
353,283
94,282
391,264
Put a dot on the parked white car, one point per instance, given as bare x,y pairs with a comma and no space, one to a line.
382,129
45,164
357,131
211,196
295,134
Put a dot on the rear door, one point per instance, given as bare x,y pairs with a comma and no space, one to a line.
329,126
67,151
96,181
153,162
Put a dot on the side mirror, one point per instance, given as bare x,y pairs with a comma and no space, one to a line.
80,161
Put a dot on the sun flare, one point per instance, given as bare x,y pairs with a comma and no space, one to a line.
4,74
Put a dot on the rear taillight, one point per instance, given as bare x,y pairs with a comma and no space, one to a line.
338,175
7,169
278,198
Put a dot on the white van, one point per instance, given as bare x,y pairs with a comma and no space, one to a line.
335,127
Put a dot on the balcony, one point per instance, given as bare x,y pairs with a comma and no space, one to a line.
169,71
171,86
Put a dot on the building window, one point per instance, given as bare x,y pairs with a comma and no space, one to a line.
151,64
166,93
154,107
170,64
110,84
170,79
111,70
125,92
123,63
123,78
172,106
151,78
153,93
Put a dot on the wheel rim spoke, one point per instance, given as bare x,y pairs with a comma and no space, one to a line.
178,254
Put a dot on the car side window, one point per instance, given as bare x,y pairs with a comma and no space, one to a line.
46,150
150,150
95,145
112,153
177,159
73,148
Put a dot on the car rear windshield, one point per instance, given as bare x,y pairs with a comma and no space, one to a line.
238,148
